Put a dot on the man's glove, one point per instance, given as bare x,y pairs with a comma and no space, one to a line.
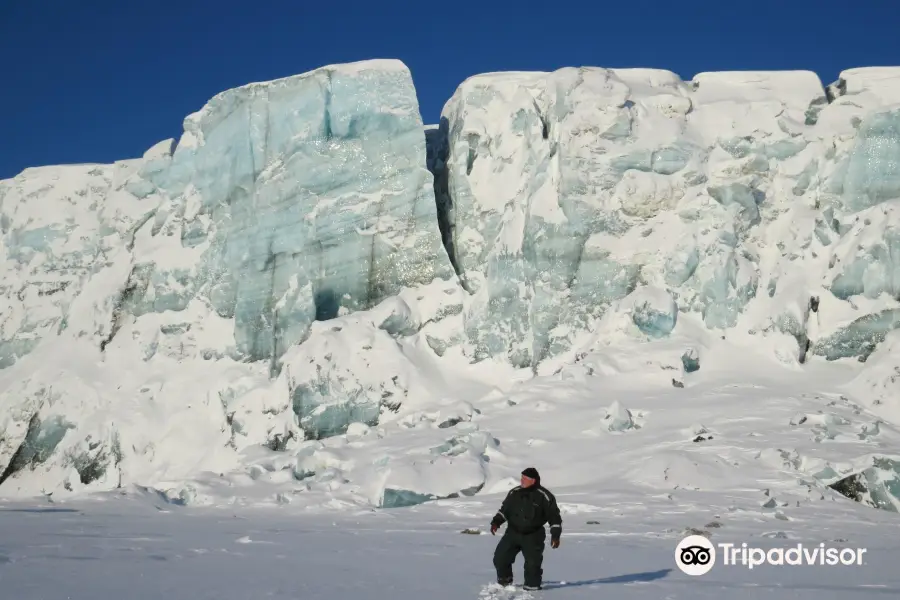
554,542
494,528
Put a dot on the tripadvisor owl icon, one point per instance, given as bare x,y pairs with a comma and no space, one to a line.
695,555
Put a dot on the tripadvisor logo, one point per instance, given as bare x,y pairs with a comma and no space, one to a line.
696,555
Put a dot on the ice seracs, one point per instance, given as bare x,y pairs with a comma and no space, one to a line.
311,273
567,191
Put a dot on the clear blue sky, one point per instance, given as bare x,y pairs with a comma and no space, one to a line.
100,80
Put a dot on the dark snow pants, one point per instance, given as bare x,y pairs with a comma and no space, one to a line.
531,545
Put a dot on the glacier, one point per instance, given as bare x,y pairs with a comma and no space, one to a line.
311,271
239,230
570,191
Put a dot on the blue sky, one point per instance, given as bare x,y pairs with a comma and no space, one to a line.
101,80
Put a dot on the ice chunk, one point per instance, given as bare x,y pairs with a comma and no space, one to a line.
653,311
348,371
395,498
877,383
40,442
406,479
156,159
867,260
522,202
690,360
671,159
644,195
357,430
315,461
401,321
883,82
618,417
860,338
728,281
681,264
877,486
351,370
794,90
255,415
92,462
785,149
284,202
745,198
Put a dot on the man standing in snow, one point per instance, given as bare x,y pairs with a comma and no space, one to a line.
525,510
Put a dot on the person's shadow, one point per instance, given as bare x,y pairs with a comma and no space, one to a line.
630,578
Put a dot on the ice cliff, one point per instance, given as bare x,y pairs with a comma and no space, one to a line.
282,203
582,191
281,273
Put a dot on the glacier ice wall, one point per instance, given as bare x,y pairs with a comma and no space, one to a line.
60,227
305,197
283,203
567,192
164,315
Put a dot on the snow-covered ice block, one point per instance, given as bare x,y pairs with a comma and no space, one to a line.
653,311
877,486
618,418
348,371
883,82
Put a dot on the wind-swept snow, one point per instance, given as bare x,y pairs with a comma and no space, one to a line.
145,550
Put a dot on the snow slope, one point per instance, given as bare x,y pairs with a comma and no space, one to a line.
314,301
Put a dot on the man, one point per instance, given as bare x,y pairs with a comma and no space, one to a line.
525,510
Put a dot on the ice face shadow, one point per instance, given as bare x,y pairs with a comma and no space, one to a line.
628,578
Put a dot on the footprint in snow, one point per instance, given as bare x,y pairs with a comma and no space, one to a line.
246,540
495,591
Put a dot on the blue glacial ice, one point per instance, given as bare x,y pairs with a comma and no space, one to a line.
568,190
555,196
870,259
308,197
871,174
349,372
877,486
40,441
859,338
654,312
690,360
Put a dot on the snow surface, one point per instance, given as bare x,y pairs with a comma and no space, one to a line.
140,547
314,322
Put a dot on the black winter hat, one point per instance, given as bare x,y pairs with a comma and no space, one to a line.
533,474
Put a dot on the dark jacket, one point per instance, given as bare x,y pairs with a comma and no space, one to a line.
526,510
